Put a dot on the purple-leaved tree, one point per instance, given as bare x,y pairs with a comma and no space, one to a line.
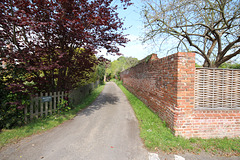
53,42
50,45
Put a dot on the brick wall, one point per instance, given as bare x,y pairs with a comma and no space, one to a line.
154,81
166,85
215,123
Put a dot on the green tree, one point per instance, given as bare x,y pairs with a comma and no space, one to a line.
101,70
119,65
230,65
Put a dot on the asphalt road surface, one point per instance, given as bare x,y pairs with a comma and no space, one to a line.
106,130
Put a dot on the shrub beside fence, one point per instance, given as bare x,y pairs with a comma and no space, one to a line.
44,104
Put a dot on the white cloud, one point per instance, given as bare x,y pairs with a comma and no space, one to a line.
136,50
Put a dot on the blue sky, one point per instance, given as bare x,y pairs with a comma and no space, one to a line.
133,22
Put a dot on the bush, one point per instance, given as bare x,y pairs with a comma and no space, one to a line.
64,105
11,113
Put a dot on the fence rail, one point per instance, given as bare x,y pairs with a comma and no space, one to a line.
43,104
217,89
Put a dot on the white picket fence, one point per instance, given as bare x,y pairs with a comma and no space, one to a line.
43,104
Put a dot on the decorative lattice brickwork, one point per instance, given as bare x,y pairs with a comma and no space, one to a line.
217,89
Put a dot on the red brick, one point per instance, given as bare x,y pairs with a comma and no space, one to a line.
166,85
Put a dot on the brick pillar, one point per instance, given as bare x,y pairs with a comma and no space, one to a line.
185,94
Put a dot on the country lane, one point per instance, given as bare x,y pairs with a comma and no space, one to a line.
106,130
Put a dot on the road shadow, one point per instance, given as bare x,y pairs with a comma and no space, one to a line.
103,99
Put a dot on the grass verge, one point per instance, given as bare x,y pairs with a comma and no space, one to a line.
43,124
157,136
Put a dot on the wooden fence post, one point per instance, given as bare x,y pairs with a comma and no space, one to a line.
46,106
50,105
54,101
31,108
58,97
41,104
36,100
25,112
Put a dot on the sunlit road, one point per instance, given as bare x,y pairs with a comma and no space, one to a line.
106,130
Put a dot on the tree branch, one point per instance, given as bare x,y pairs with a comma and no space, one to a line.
209,53
228,47
226,58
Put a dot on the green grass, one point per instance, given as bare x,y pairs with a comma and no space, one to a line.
157,136
43,124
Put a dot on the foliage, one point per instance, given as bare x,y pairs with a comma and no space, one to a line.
230,65
51,45
207,28
98,72
14,100
88,76
11,112
120,65
64,105
41,125
157,136
101,70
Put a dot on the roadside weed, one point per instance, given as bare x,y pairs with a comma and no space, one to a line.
157,136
